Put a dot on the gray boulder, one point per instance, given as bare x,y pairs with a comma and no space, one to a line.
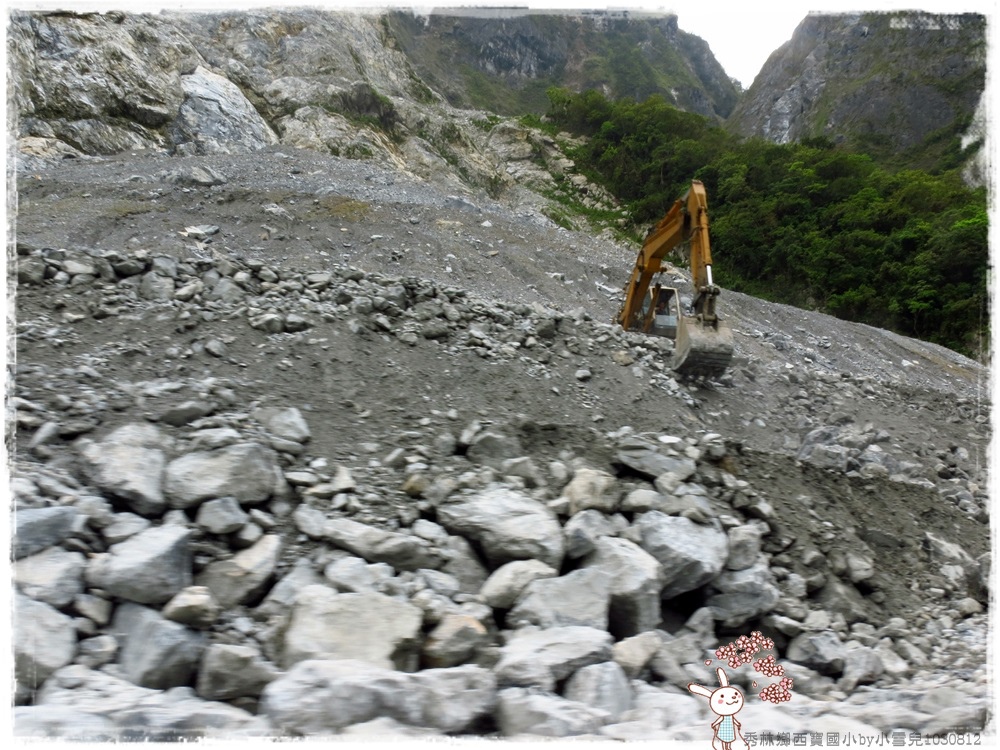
544,657
508,581
644,458
229,671
526,711
221,516
464,564
286,423
38,528
401,551
148,568
691,554
508,524
577,598
155,652
492,449
144,714
282,595
744,547
635,579
44,641
590,488
243,577
453,641
743,594
217,118
821,651
602,686
193,606
862,666
63,723
128,463
584,529
54,576
318,697
634,653
368,626
245,471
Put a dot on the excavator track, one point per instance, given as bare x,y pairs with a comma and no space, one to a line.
700,350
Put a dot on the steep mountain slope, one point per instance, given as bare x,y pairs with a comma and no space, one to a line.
883,82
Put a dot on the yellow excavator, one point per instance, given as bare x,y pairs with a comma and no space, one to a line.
703,343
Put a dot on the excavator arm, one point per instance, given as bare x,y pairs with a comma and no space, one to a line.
703,344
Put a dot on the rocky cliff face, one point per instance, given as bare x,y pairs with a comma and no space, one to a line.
505,60
344,83
885,81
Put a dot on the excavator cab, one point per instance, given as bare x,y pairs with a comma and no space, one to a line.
661,312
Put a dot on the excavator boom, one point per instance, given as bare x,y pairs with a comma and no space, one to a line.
703,344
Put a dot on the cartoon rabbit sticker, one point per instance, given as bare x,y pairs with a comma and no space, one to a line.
725,701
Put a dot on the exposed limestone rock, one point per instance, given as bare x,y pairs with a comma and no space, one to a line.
155,652
508,524
216,118
228,672
368,626
245,471
148,568
54,576
577,598
36,529
44,641
507,582
128,463
244,576
691,554
316,698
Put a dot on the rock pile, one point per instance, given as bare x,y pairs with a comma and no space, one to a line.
195,569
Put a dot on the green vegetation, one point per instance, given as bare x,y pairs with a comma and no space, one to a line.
809,224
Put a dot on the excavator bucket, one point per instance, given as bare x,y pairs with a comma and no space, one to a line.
702,350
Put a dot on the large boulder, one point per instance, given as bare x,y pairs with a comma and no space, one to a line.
229,671
128,463
54,576
62,723
635,578
44,641
149,567
217,118
245,471
508,581
155,652
367,626
143,714
821,651
590,488
320,697
691,554
38,528
524,711
577,598
242,578
602,686
544,657
401,551
508,525
743,594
